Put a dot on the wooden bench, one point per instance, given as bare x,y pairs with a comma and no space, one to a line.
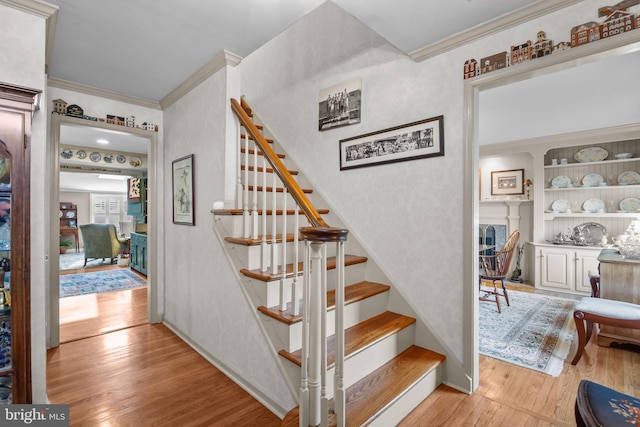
602,311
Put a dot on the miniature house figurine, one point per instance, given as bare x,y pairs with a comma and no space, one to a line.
131,121
148,126
59,106
75,111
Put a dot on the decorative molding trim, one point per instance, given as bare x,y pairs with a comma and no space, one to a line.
501,23
221,60
34,7
90,90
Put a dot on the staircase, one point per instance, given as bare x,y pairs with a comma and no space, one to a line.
371,372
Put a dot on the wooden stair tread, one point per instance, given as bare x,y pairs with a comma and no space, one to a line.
242,136
251,152
360,336
269,170
267,276
278,189
255,242
352,293
369,396
261,212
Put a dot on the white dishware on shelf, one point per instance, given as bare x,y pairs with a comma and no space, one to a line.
591,154
624,155
592,180
561,181
630,204
629,178
564,161
593,206
561,206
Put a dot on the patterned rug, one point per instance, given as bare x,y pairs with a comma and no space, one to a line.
99,282
72,260
534,332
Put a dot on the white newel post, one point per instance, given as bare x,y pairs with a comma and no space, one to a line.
315,332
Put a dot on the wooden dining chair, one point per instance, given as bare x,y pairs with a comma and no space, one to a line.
494,268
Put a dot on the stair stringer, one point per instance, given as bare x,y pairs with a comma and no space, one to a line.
454,374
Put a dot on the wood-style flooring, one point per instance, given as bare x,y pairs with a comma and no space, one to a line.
146,376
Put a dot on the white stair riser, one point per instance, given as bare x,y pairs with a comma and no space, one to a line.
290,336
251,256
361,364
409,400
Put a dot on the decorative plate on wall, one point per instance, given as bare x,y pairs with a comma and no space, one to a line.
71,214
95,157
81,154
66,153
591,154
561,206
592,180
561,181
135,162
629,178
108,158
121,158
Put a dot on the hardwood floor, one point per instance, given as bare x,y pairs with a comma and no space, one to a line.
94,314
144,375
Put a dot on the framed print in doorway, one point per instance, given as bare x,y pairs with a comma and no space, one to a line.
182,185
507,182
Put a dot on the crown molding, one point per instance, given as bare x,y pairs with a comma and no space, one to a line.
90,90
221,60
520,16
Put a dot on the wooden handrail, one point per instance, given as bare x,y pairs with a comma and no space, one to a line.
278,167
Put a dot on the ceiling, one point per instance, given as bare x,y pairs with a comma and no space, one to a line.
147,48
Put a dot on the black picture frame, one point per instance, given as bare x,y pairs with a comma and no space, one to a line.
507,182
411,141
182,181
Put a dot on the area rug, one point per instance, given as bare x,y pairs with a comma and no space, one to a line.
99,282
534,332
75,260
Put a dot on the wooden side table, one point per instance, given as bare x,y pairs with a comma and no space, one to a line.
67,231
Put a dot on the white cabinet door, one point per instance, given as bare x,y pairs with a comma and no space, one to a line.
556,268
585,261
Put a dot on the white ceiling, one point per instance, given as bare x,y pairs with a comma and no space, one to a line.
147,48
85,136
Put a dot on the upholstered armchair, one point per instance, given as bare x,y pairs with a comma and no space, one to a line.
101,241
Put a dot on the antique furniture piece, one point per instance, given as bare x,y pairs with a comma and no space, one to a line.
619,280
138,256
69,222
16,109
597,405
495,268
605,312
101,241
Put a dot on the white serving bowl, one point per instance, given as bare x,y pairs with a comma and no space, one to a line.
624,155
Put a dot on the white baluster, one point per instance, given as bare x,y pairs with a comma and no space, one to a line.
338,383
264,251
254,211
245,199
283,278
239,166
274,226
295,299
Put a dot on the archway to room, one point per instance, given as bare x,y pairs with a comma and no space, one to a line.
603,49
63,129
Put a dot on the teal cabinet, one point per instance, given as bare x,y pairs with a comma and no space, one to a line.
139,254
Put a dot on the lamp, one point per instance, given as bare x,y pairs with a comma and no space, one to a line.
527,184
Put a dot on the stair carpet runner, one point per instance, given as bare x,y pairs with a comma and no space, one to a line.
369,397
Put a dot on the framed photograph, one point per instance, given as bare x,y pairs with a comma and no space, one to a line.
509,182
182,184
339,105
133,185
416,140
